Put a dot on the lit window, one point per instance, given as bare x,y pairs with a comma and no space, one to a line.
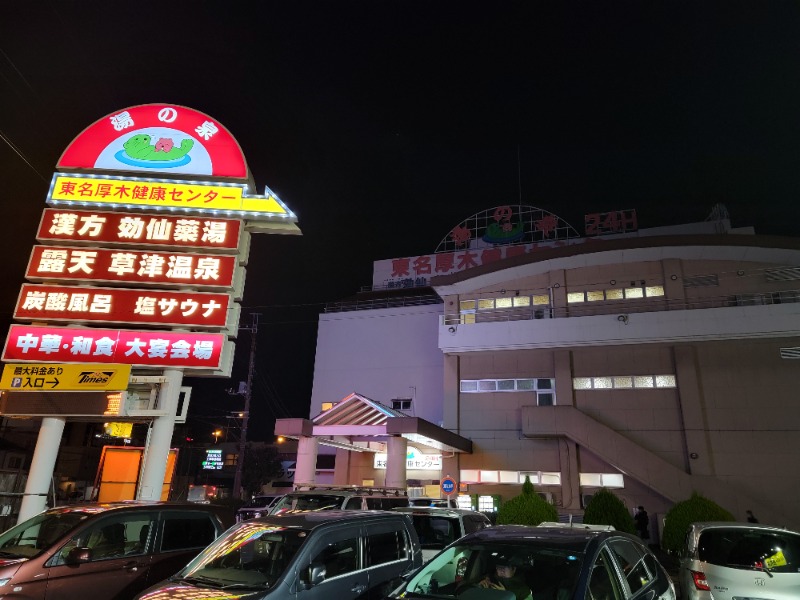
502,302
591,479
486,304
602,383
327,406
469,386
574,297
613,294
551,478
541,299
532,475
634,293
582,383
522,301
509,477
487,385
654,290
486,504
665,381
468,305
470,476
595,296
524,384
623,382
468,319
489,477
505,385
368,482
643,381
613,480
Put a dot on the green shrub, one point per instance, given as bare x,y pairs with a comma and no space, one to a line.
681,515
526,509
606,509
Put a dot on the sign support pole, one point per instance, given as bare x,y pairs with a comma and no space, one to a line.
42,466
159,439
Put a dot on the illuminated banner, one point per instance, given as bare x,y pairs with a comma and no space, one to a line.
185,350
415,461
65,377
97,264
224,199
157,138
139,229
117,305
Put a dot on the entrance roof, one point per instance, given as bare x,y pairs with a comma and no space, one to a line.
363,425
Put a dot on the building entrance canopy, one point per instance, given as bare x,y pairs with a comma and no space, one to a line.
360,424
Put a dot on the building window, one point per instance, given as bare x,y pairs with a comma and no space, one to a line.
606,480
230,460
542,387
536,477
328,406
401,403
630,293
624,382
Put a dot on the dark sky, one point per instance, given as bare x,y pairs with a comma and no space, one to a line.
384,124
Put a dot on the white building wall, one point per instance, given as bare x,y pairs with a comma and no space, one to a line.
382,354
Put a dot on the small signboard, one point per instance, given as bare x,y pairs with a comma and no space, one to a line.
34,377
448,485
213,461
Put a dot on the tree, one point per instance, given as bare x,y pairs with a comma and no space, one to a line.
261,465
526,509
606,509
681,515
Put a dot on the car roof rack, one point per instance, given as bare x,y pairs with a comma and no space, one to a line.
584,526
358,489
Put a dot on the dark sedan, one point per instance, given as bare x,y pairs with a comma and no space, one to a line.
542,563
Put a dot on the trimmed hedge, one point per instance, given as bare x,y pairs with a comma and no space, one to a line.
681,515
526,509
606,509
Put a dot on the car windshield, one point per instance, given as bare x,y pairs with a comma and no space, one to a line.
435,532
259,502
302,503
524,569
32,537
742,548
252,555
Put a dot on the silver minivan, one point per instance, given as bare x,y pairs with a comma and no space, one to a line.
730,561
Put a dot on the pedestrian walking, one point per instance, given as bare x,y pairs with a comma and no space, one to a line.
642,523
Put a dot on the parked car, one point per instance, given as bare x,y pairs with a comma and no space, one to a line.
329,497
514,562
726,560
104,551
436,502
329,555
438,527
259,506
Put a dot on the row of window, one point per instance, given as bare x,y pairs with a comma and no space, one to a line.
477,386
504,302
624,382
630,293
493,476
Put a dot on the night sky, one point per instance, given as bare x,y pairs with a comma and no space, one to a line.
384,124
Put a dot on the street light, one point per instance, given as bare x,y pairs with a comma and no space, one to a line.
216,434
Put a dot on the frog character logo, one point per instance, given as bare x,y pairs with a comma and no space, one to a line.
140,148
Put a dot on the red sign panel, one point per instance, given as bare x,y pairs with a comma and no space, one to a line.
116,305
617,221
157,138
140,348
139,229
97,264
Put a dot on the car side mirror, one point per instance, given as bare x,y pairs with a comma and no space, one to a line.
78,555
314,575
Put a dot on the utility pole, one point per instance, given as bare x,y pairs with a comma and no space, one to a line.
237,480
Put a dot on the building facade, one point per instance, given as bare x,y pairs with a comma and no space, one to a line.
655,364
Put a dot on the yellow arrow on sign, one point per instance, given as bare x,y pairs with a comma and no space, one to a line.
61,377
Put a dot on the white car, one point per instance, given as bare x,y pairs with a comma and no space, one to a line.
731,561
438,527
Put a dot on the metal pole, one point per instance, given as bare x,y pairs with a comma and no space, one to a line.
237,480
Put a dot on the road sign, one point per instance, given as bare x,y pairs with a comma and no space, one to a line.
34,377
448,485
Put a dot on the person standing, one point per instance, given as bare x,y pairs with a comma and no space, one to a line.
642,522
